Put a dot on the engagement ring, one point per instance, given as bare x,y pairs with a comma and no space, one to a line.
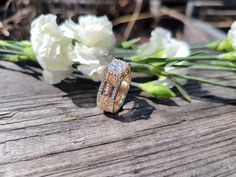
114,86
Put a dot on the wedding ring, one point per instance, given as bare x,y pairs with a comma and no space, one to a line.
114,86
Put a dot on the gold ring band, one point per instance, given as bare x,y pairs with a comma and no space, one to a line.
114,86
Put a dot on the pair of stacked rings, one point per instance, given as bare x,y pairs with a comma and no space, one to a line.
114,86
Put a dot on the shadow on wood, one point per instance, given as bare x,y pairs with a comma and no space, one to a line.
141,110
28,68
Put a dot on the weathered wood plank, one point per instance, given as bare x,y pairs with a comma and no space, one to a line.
47,134
58,130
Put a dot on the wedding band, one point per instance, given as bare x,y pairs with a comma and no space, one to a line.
114,86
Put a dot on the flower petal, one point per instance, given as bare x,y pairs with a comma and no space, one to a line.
54,77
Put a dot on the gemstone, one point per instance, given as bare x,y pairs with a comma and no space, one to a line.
117,66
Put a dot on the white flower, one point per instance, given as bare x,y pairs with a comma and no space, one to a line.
95,42
177,48
97,32
51,48
92,60
53,77
161,40
71,30
232,35
91,31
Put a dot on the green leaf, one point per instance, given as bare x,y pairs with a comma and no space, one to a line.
130,43
157,70
181,90
74,41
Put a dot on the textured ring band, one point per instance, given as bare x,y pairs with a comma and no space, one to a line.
114,86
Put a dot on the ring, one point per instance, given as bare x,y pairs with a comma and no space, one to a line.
114,86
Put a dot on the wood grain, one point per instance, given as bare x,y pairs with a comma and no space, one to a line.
58,130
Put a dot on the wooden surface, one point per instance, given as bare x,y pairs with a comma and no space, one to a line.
58,130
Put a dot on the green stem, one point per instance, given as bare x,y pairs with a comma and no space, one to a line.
178,59
135,84
7,51
181,90
223,64
208,67
192,58
202,80
9,44
146,68
199,47
3,58
199,53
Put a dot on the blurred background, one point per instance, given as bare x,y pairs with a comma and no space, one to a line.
130,18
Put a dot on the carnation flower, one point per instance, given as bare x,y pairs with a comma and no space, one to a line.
161,40
95,42
92,60
162,43
51,49
97,32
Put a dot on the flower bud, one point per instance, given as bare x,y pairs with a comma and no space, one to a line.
221,46
29,53
17,58
231,56
157,90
